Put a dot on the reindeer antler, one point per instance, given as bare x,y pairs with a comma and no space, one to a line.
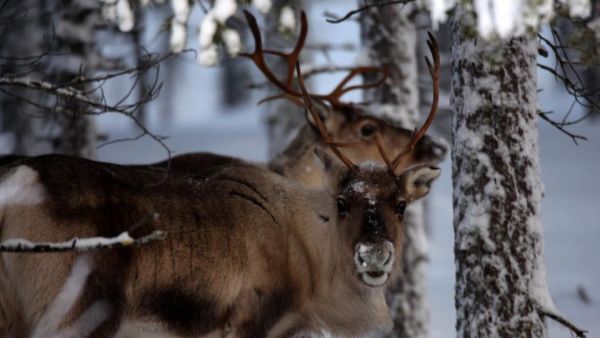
434,71
291,58
320,125
258,55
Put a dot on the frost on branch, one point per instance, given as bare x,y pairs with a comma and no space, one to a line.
79,244
287,19
213,30
181,14
507,18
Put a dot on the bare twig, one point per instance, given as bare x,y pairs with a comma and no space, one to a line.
335,19
564,66
311,71
561,127
563,321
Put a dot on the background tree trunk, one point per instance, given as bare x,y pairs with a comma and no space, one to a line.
65,30
500,281
283,118
389,37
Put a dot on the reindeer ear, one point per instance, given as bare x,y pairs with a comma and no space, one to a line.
330,164
417,180
430,150
320,109
333,168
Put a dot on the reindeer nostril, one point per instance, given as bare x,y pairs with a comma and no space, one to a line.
388,259
361,260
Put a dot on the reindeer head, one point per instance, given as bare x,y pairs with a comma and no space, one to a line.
371,198
370,203
346,122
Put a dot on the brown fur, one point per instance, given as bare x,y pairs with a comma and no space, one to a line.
248,252
297,161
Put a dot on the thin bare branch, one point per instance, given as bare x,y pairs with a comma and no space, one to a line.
335,19
563,321
561,127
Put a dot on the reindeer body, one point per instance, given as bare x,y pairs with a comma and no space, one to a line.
297,161
248,253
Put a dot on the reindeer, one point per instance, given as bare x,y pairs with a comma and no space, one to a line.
346,122
249,253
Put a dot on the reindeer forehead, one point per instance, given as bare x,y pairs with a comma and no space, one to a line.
372,184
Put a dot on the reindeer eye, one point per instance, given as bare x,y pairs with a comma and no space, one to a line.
368,129
400,207
342,205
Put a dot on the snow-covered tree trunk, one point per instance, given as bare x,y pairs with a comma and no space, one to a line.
389,37
283,118
500,279
33,131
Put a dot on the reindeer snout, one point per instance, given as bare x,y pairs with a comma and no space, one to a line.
374,257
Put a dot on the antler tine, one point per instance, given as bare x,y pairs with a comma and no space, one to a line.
384,156
258,55
296,101
434,71
334,96
320,125
293,56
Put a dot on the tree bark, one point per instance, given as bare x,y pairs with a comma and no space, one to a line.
500,281
389,38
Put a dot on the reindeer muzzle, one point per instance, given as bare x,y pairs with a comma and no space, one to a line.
374,262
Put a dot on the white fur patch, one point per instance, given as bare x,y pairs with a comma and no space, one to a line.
21,187
49,324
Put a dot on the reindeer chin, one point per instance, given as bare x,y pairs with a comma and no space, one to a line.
374,278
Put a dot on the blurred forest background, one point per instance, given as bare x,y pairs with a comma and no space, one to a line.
214,109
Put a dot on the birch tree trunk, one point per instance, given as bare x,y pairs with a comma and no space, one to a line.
500,279
389,37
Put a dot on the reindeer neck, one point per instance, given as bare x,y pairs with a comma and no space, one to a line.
297,161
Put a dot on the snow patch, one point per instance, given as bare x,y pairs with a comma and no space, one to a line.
287,19
206,31
125,16
78,244
371,165
358,187
181,13
506,18
223,10
209,57
232,41
264,6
